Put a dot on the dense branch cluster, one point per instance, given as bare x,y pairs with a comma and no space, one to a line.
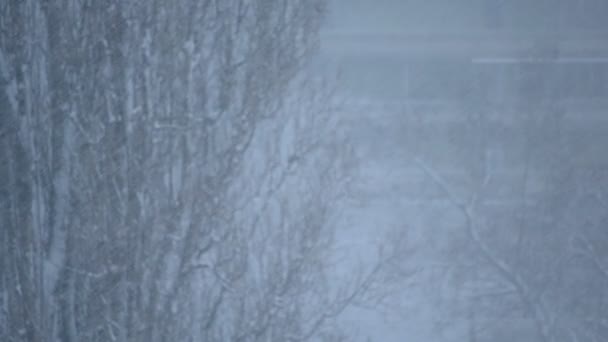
167,172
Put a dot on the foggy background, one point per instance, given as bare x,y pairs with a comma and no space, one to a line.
303,170
482,128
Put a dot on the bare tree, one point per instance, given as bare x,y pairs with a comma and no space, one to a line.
527,267
171,172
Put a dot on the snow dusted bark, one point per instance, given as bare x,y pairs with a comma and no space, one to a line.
171,173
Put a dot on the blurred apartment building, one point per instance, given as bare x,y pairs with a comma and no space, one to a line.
441,75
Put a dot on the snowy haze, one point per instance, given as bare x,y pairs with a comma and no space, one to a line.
303,170
481,128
